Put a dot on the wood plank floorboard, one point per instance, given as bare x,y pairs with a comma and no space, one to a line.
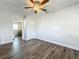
36,49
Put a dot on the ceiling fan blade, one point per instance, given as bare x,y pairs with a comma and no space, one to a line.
32,1
28,7
44,1
44,10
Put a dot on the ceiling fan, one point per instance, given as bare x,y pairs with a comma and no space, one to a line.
37,6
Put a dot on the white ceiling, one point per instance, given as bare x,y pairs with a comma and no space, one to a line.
16,7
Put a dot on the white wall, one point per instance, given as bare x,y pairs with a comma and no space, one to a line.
6,32
62,27
9,10
29,28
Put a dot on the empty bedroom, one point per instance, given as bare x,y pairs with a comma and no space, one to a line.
39,29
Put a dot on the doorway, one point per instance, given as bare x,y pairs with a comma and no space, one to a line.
17,28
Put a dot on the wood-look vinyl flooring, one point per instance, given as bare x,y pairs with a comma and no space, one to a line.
36,49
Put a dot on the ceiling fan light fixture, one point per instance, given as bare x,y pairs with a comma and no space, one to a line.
36,8
38,5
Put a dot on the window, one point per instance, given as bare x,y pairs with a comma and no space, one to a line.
15,26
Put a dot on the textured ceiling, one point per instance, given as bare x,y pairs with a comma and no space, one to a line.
16,7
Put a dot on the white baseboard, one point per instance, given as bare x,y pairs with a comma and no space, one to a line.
5,42
61,44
